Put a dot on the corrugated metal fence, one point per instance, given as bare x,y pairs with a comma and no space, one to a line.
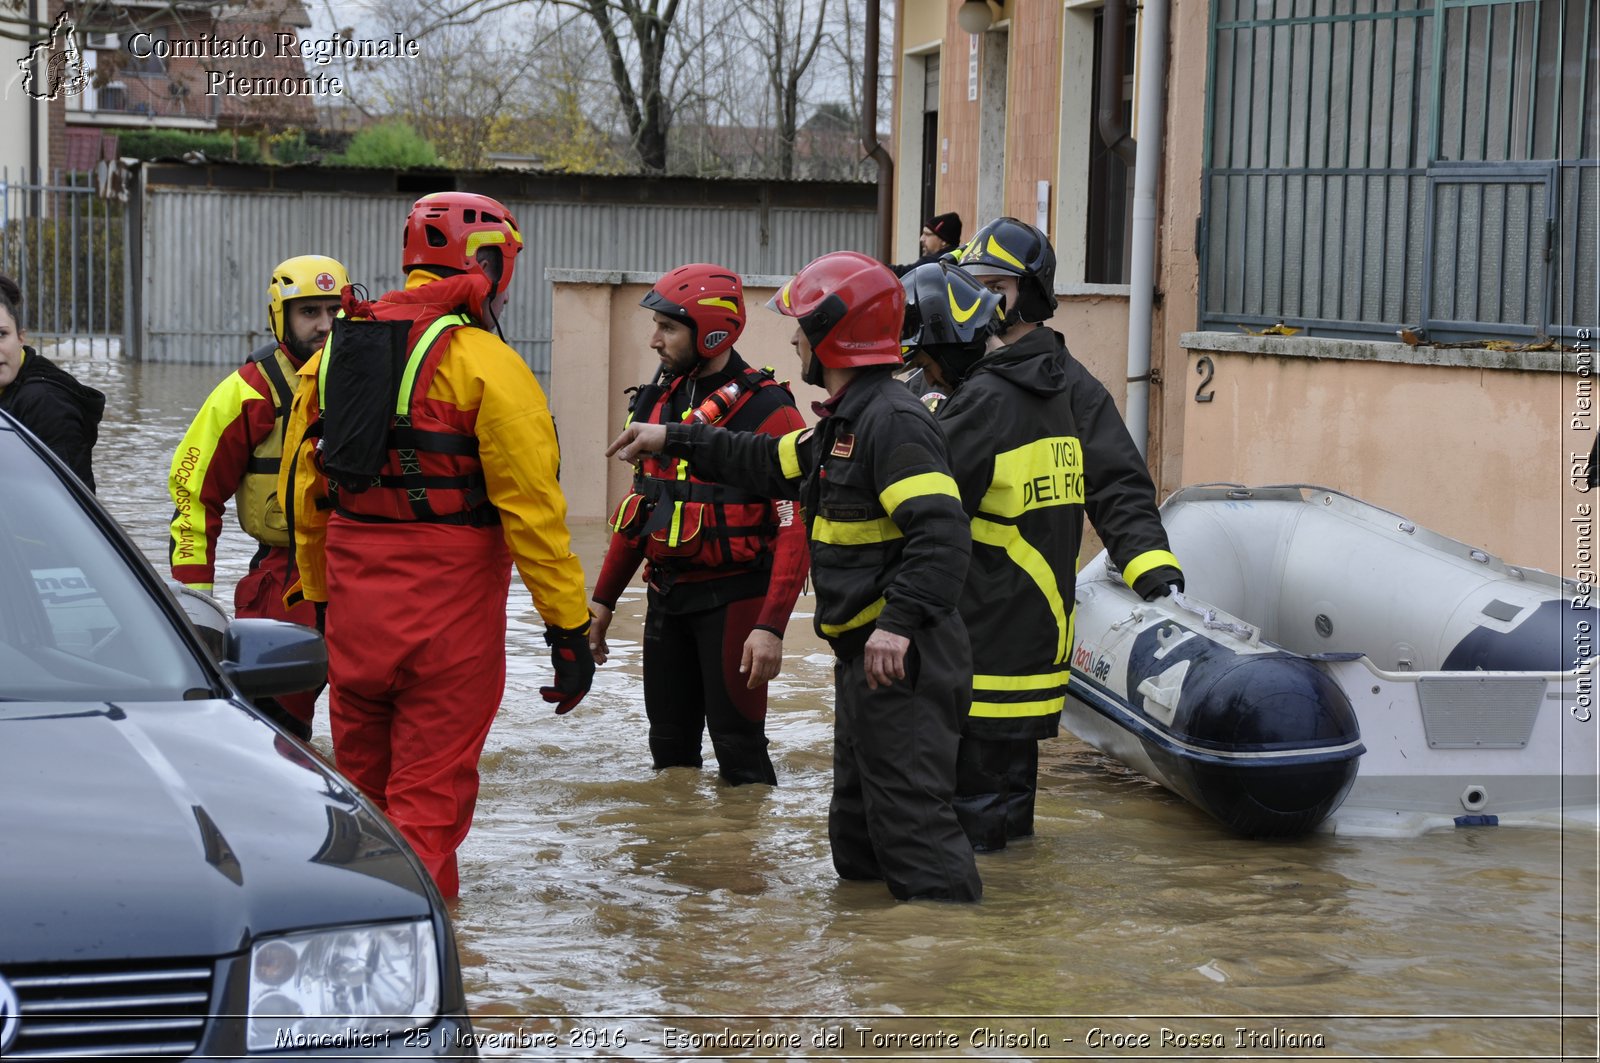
205,251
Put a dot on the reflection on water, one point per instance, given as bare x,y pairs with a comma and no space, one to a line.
604,902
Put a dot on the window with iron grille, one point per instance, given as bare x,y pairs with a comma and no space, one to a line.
1378,164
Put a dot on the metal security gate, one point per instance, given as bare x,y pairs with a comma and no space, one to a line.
65,246
1372,164
1489,249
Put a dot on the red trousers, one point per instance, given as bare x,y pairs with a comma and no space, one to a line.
416,630
260,594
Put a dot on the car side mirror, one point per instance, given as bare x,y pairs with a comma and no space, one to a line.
264,658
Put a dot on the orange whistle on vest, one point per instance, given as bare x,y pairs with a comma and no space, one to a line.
717,404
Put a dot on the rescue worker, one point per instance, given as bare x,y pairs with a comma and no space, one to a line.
232,450
1036,443
725,565
889,545
46,399
424,464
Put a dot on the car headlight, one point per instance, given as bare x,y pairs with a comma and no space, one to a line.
323,985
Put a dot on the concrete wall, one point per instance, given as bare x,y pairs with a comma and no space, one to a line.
1475,444
600,347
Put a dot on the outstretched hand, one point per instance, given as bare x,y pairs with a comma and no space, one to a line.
637,439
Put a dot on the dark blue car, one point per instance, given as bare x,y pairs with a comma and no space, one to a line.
177,875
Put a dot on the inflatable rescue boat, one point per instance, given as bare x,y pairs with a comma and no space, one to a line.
1333,666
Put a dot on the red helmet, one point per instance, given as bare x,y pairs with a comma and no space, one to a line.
446,229
850,307
707,298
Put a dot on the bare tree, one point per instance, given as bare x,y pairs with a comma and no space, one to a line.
634,35
674,86
793,35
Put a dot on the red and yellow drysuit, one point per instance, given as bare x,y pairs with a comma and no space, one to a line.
232,450
415,569
722,562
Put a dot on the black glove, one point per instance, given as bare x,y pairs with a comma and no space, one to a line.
1158,583
322,616
573,663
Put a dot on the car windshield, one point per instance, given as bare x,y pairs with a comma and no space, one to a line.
76,623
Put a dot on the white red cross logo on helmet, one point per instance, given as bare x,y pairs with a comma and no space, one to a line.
325,281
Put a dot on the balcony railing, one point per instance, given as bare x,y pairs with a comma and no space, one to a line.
147,96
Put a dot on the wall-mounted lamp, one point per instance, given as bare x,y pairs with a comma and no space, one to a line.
976,16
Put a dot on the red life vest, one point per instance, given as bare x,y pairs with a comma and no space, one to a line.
686,526
430,469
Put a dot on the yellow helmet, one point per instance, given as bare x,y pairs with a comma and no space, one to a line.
302,277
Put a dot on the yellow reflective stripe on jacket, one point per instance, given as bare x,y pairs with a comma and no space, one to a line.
927,483
1010,709
1026,556
1146,561
1043,681
402,400
854,532
866,616
984,684
1036,475
789,453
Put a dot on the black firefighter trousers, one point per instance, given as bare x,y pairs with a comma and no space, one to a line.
894,771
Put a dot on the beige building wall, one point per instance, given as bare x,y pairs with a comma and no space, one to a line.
1477,445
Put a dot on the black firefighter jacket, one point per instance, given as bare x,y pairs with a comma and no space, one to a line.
889,540
1035,442
54,406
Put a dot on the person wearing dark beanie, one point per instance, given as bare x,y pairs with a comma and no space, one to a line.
940,235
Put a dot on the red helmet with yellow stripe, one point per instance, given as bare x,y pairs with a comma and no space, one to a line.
707,298
851,308
447,230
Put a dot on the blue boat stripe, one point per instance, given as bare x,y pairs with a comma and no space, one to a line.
1105,701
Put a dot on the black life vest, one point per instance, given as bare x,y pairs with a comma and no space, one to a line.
685,524
391,453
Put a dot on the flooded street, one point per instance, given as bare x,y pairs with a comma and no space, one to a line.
620,912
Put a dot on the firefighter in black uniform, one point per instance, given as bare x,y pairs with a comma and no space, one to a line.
1035,443
889,549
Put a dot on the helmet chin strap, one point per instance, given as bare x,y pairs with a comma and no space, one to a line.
812,374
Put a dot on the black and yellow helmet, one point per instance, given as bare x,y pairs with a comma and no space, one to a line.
949,317
1010,247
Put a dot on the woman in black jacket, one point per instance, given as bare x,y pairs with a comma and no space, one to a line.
63,413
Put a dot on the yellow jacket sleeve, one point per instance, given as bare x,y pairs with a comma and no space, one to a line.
521,461
303,490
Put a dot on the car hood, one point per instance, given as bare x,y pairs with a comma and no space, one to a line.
179,829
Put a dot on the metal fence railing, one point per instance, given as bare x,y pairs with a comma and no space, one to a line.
1373,164
65,245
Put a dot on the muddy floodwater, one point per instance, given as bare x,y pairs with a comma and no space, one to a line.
612,910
